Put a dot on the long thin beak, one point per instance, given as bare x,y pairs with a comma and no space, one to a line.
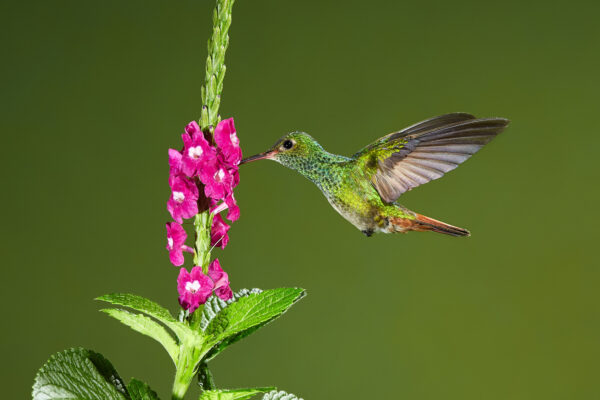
261,156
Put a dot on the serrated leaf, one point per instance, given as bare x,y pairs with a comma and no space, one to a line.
281,395
251,310
248,314
149,307
139,390
78,374
235,394
139,303
214,305
148,327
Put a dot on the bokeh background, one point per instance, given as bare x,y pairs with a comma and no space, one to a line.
94,92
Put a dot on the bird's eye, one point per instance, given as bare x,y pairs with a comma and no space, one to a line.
288,144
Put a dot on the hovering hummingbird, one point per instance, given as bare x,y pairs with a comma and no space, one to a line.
364,188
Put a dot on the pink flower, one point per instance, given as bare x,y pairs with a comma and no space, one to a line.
235,176
194,288
234,211
215,207
193,128
218,232
183,200
228,142
220,279
196,151
217,181
176,243
175,162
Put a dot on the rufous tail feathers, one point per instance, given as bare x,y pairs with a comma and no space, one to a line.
423,223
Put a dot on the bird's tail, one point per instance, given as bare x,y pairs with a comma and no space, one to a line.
423,223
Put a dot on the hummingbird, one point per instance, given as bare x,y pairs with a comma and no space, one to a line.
365,187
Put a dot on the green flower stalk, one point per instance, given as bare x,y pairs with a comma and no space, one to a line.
202,224
187,366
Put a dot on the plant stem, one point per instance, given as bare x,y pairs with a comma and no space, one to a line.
181,384
202,224
190,354
205,377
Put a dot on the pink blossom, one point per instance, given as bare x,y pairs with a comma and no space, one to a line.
197,152
228,142
235,176
183,200
220,279
234,211
175,162
217,181
218,232
176,243
216,207
194,288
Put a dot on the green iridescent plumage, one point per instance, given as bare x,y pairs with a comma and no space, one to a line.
364,188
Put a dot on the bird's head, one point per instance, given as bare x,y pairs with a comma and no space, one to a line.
293,150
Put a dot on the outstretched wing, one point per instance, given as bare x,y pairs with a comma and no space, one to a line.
426,151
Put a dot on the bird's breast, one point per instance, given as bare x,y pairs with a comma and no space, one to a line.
353,215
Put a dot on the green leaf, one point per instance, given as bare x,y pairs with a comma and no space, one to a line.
236,394
148,327
215,305
78,374
139,303
149,307
247,314
138,390
281,395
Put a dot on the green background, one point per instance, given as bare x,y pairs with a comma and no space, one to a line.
94,92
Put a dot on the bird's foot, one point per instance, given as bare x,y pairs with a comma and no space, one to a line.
368,233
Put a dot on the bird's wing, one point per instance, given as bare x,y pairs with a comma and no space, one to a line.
425,151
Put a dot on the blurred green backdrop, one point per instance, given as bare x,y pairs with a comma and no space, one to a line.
94,92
